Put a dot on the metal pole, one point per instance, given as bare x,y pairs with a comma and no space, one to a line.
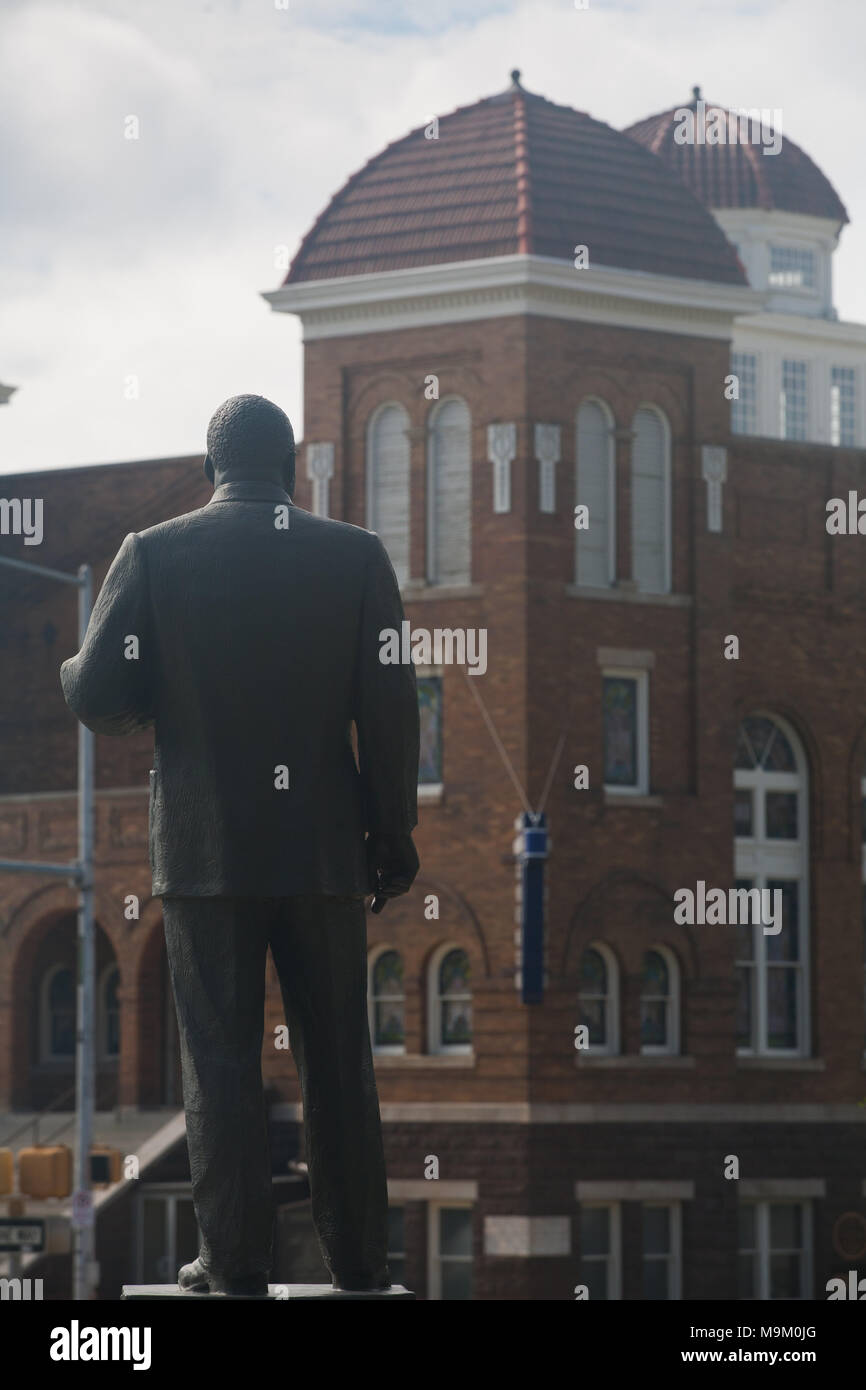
84,1050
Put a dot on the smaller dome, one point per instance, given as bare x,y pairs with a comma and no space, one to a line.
738,174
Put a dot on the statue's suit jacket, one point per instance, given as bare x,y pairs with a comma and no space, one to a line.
257,647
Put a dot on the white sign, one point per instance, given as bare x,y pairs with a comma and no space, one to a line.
82,1210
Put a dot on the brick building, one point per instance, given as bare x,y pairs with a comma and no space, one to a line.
511,314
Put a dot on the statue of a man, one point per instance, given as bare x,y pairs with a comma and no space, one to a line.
257,648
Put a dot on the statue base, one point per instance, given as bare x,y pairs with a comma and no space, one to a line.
277,1293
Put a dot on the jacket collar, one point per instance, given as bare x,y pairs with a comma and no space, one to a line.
252,490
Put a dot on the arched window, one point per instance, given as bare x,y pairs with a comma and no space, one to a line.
388,484
659,1002
598,999
450,1001
57,1014
449,494
650,502
387,1002
771,856
108,1017
595,489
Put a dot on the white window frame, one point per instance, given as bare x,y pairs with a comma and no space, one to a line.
761,861
371,464
387,1049
836,404
169,1194
611,1047
434,1256
611,487
667,578
783,400
674,1258
756,399
787,248
613,1259
432,578
762,1247
434,1007
642,699
672,1002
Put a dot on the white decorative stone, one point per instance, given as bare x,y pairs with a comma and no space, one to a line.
501,450
714,470
548,451
320,471
527,1235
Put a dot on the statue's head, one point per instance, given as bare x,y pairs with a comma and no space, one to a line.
250,438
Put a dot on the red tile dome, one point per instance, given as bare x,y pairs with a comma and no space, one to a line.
739,174
516,173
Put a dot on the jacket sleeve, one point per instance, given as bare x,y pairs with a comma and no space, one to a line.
386,710
107,685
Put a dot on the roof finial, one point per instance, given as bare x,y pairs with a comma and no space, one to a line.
696,93
515,77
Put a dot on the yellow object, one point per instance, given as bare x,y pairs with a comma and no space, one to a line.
7,1172
45,1171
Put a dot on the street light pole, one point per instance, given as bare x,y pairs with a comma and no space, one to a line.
84,1045
80,873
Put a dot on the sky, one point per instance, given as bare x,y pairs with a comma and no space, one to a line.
131,271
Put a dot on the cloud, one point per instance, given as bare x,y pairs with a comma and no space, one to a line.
148,257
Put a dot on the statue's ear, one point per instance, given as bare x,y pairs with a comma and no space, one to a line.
208,468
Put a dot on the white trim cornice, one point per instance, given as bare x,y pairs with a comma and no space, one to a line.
512,285
791,327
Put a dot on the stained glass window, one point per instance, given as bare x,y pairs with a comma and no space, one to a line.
430,717
592,1006
762,744
620,722
655,1003
388,1000
455,1000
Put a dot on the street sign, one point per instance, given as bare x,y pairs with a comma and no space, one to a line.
21,1234
82,1209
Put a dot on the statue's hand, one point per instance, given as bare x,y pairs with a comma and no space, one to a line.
392,863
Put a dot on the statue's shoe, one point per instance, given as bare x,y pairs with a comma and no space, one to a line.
195,1278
